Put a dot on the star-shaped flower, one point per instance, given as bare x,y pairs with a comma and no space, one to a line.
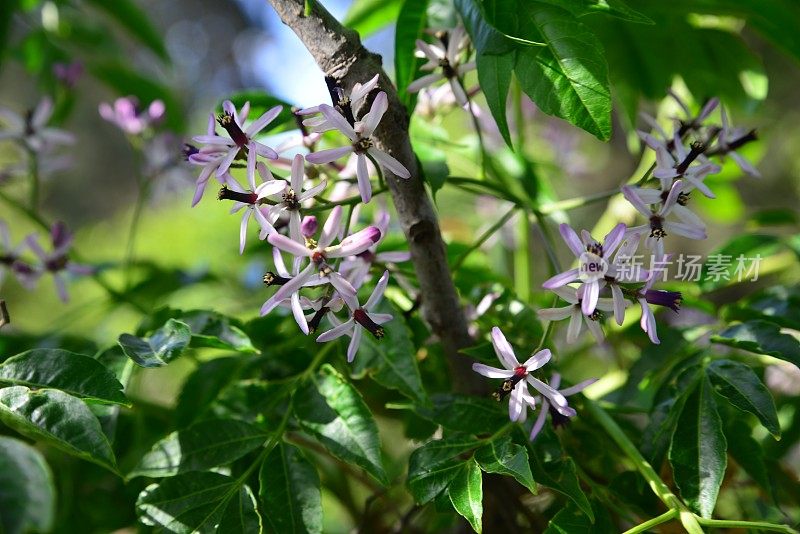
361,318
360,134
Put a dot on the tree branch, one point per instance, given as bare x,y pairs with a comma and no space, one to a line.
339,53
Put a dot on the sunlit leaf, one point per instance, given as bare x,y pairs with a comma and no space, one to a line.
506,458
369,16
78,375
569,77
411,23
333,412
58,419
163,346
466,493
761,337
741,386
198,502
209,443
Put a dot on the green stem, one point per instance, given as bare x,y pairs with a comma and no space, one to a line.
482,239
481,147
577,202
141,196
755,525
662,491
33,163
669,515
518,117
549,242
325,205
522,261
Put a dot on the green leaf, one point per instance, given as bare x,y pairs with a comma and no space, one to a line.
698,451
761,337
203,387
741,386
241,515
551,467
392,361
290,492
485,38
432,466
260,103
197,502
570,519
204,445
506,458
136,21
27,494
466,493
569,77
78,375
369,16
214,330
494,75
333,412
59,419
411,23
614,8
465,413
165,345
748,453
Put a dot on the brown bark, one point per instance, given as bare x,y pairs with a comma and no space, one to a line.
339,53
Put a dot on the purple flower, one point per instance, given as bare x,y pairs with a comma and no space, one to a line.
240,137
361,318
658,224
646,295
730,139
517,378
127,116
447,56
68,73
593,262
56,262
357,268
209,157
282,276
319,253
576,315
353,101
11,260
557,417
251,199
31,130
682,166
360,135
293,196
652,196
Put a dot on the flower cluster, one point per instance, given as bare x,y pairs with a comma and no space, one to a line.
331,262
602,282
56,262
